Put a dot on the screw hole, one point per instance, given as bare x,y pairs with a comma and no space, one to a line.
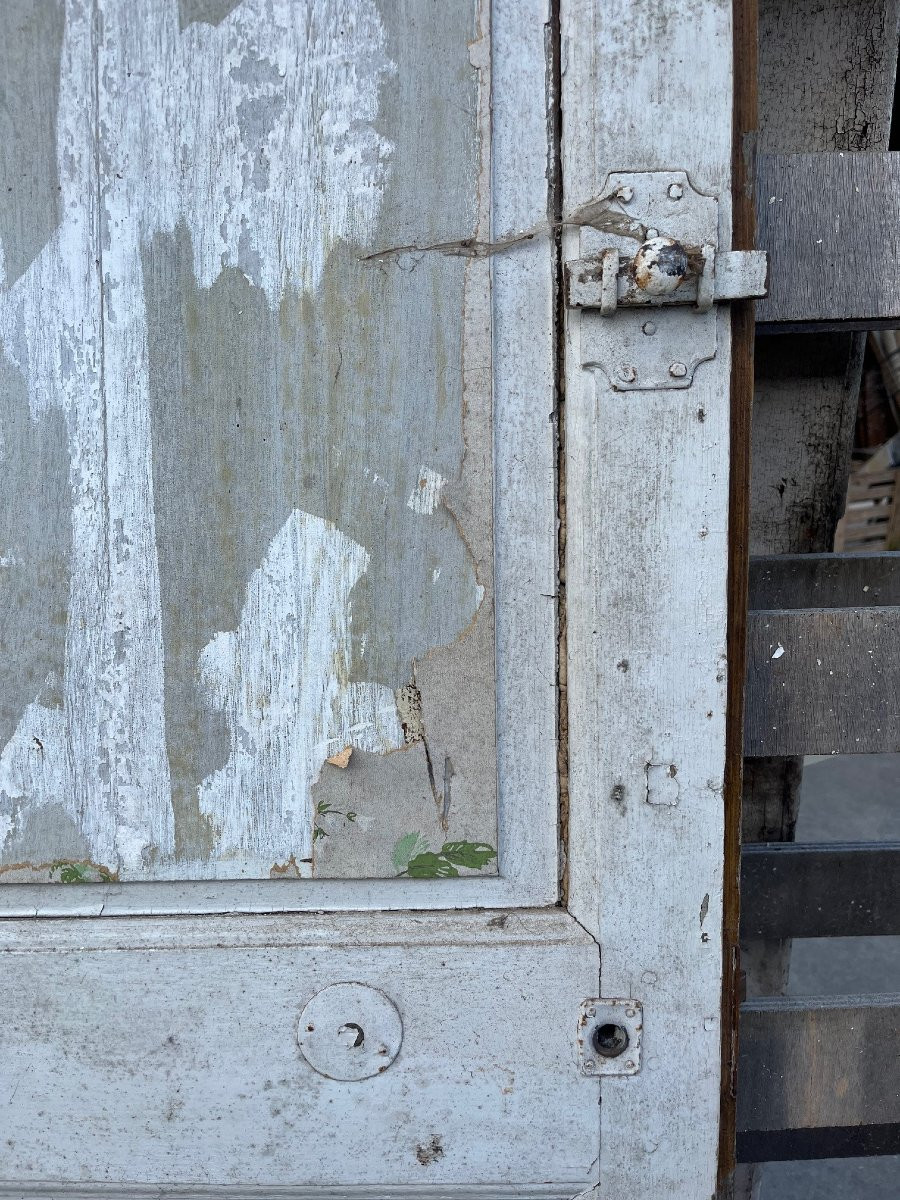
354,1031
610,1040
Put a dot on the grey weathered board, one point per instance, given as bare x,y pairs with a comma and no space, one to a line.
835,890
246,510
823,681
824,581
827,1062
807,387
826,74
831,226
826,83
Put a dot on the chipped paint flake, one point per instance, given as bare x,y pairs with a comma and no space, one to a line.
426,495
282,680
275,158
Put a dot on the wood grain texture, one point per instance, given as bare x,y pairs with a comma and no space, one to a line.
195,1021
819,1062
282,519
523,459
745,120
826,83
823,681
646,570
825,581
826,74
837,890
829,223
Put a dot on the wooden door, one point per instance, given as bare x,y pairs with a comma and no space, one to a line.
362,668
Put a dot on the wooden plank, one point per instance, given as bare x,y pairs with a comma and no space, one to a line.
198,1019
835,890
823,681
508,374
829,223
825,581
803,418
647,497
826,76
791,1145
826,83
819,1063
745,119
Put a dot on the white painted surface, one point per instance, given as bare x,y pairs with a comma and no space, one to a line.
647,86
514,164
166,1053
278,678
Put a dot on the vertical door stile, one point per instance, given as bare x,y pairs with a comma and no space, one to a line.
647,87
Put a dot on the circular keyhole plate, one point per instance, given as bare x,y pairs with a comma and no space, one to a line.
350,1031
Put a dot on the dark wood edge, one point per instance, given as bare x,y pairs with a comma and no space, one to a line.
844,1141
838,889
744,125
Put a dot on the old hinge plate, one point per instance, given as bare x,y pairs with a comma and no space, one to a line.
609,1036
648,285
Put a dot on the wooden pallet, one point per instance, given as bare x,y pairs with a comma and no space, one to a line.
871,520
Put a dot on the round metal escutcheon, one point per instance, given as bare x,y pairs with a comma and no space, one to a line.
350,1031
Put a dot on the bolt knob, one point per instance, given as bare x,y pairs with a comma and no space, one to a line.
660,266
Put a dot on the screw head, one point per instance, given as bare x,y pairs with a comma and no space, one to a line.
678,370
649,328
629,1065
625,193
629,1012
589,1064
676,191
652,233
627,373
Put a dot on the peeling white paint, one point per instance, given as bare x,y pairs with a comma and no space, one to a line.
282,680
426,495
258,134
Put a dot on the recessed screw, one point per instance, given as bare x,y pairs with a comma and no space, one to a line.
625,194
629,1065
627,373
651,234
589,1064
629,1012
678,370
649,328
676,191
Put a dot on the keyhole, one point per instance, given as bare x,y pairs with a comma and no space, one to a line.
610,1040
354,1031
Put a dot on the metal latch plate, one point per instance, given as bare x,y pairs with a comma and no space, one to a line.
645,348
609,1036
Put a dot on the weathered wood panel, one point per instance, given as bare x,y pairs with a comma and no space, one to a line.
248,530
522,371
839,890
165,1054
803,417
791,1145
826,83
826,74
819,1063
646,573
823,681
825,581
830,225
